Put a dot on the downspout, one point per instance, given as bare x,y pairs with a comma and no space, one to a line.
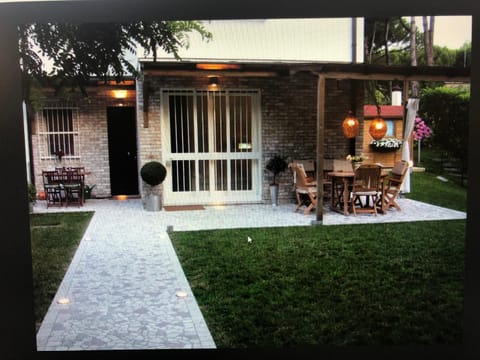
354,40
28,147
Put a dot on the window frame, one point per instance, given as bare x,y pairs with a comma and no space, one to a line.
67,130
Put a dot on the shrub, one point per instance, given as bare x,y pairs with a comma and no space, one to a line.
276,165
32,193
153,173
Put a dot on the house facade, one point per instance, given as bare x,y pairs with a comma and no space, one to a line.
214,141
90,132
215,123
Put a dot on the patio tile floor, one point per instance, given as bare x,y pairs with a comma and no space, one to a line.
123,280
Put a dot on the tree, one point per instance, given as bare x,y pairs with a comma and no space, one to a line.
384,38
386,42
428,30
78,52
415,86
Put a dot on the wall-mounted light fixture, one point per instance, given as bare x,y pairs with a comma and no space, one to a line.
119,94
212,82
212,66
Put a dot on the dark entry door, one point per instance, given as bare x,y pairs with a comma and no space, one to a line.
122,150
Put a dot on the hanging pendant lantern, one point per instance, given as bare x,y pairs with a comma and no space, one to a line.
350,126
378,128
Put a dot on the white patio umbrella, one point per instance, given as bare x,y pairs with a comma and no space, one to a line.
412,108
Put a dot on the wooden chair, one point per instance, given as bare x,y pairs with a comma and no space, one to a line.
311,172
74,188
366,184
327,181
52,185
309,168
305,191
393,184
341,165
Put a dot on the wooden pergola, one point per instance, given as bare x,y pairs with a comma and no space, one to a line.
324,71
365,72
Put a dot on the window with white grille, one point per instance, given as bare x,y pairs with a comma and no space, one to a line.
58,132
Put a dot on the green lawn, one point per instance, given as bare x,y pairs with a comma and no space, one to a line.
427,188
54,239
342,285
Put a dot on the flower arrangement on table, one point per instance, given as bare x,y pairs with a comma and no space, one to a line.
356,158
386,144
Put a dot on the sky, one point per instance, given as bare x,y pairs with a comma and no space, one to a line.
450,31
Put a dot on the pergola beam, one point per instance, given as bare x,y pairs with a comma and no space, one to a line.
397,77
206,73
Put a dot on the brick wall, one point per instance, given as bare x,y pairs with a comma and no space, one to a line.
288,124
92,141
288,118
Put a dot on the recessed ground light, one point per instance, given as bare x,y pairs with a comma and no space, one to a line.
181,294
88,238
120,197
63,301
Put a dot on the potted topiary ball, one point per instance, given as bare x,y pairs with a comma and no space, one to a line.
275,165
153,173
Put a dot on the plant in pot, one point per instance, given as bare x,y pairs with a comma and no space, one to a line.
88,191
275,165
32,196
153,173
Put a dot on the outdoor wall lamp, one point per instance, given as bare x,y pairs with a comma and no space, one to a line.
213,66
119,94
350,126
213,82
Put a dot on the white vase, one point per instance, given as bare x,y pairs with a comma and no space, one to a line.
274,194
153,202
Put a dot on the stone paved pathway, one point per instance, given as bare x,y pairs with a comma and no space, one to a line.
123,281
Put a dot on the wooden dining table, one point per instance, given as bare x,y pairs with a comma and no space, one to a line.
340,196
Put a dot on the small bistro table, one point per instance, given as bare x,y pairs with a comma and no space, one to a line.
340,196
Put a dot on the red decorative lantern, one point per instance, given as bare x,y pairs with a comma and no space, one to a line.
350,126
378,128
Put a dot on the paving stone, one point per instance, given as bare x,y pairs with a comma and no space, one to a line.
124,276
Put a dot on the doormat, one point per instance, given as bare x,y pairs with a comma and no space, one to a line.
184,208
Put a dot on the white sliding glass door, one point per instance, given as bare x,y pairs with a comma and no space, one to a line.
211,144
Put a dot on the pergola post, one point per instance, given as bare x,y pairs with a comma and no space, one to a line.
320,146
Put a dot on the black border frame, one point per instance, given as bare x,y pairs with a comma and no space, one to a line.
17,324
